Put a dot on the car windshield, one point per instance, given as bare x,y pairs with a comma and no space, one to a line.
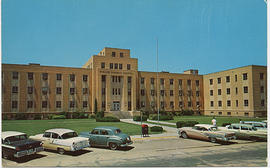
69,135
213,129
16,138
117,131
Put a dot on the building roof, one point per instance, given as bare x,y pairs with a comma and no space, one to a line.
60,131
6,134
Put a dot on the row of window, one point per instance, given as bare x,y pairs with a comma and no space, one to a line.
228,78
115,66
228,103
162,104
228,90
30,76
44,104
180,81
229,113
162,93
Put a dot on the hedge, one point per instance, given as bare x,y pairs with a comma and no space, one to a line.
180,124
55,117
161,117
107,119
138,118
156,129
100,114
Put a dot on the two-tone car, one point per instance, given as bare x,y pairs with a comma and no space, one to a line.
111,137
257,124
16,144
62,140
206,132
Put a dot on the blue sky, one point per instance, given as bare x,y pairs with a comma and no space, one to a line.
208,35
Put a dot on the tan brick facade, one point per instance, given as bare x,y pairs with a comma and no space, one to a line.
111,82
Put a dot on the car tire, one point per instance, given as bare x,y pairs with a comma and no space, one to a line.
213,140
61,151
113,146
184,135
5,156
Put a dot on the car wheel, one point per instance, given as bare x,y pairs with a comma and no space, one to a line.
213,140
5,156
61,151
113,146
184,135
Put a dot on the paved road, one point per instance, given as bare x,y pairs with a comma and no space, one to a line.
166,151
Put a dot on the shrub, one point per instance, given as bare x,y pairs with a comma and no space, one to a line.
100,114
75,115
4,117
107,119
161,117
180,124
145,113
156,129
93,116
187,112
224,124
55,117
138,118
21,116
37,117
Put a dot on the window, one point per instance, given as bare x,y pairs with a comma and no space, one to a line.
104,132
44,104
128,66
103,78
197,103
171,81
162,81
120,66
95,132
58,90
45,76
119,79
228,91
229,113
220,113
85,90
72,77
189,93
129,79
171,92
115,66
180,93
188,82
197,82
142,92
162,92
29,104
244,128
219,91
220,103
85,78
142,104
262,102
72,91
30,90
211,92
236,90
55,136
245,76
236,103
129,105
211,81
152,92
14,104
162,104
262,89
113,54
113,91
246,114
30,75
103,65
44,90
84,104
218,80
58,104
111,65
180,82
15,75
47,134
58,76
129,92
71,104
180,104
212,103
228,103
15,89
171,104
245,89
235,78
246,103
197,93
142,80
152,81
121,54
227,79
261,76
189,104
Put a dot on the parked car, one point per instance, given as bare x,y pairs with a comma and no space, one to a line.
205,132
16,144
111,137
246,131
256,124
62,140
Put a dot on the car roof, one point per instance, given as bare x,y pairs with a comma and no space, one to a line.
107,127
59,131
258,122
205,125
247,125
6,134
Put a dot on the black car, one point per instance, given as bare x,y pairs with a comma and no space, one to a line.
16,144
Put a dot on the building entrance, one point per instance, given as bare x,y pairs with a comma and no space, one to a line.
116,106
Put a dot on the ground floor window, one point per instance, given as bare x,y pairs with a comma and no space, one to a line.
246,114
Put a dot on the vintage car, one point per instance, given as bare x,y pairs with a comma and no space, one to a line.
246,131
256,124
16,144
61,140
111,137
205,132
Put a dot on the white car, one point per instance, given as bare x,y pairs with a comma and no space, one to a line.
62,140
256,124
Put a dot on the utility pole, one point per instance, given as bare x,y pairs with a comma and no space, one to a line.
157,85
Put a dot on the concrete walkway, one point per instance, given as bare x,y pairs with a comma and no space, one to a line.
161,122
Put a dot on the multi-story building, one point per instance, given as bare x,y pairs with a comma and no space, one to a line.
236,92
110,81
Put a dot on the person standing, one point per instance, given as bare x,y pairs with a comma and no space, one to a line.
214,122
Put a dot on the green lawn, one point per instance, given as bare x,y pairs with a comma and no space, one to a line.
208,119
32,127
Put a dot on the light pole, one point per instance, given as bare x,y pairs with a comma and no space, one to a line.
157,85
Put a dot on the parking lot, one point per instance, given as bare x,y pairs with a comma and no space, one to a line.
154,151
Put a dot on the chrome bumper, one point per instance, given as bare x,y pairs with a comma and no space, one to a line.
126,144
28,152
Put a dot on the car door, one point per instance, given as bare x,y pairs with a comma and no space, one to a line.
46,140
94,137
202,133
193,132
54,141
103,138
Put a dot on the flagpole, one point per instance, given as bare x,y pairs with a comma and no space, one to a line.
157,84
